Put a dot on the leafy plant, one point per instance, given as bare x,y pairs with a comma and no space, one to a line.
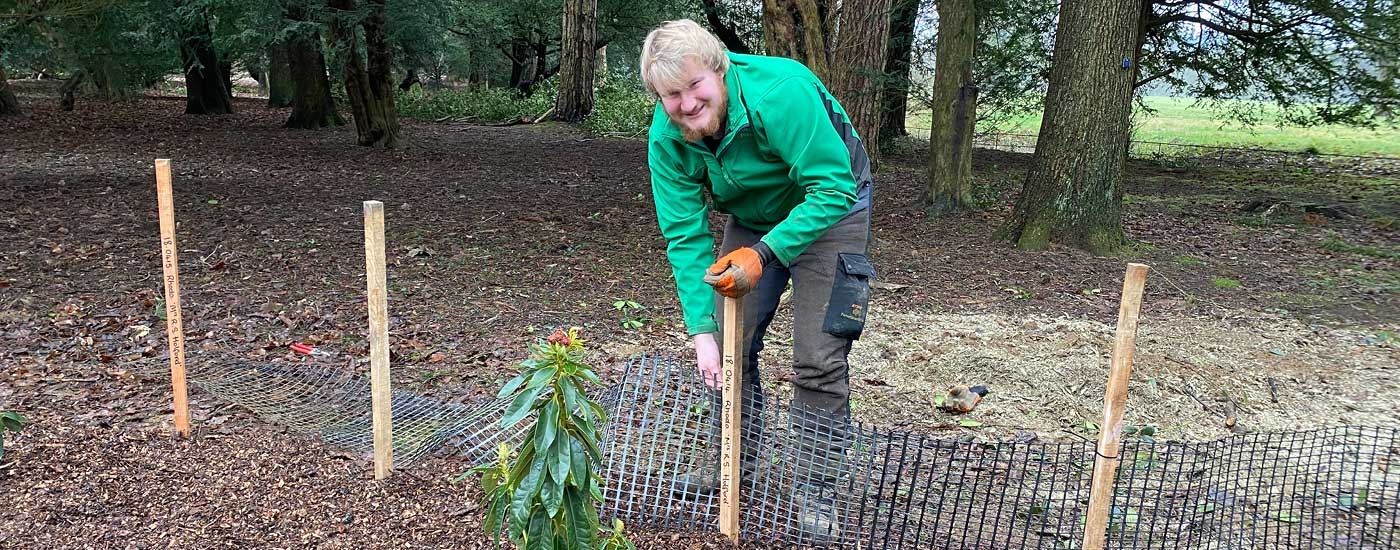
10,421
493,105
1143,433
623,106
630,318
544,495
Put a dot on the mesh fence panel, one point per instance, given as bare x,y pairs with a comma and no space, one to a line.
333,403
1325,488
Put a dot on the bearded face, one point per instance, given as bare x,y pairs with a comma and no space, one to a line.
698,103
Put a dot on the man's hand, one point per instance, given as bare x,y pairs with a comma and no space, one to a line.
734,274
707,359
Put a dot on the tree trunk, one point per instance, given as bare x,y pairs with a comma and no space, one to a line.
520,57
894,106
797,29
312,105
226,73
954,105
369,87
280,86
542,60
1385,108
856,65
409,79
1073,193
576,61
9,104
206,91
68,92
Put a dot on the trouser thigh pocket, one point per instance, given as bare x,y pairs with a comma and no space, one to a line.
850,296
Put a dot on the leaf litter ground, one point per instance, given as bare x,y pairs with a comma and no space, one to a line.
496,235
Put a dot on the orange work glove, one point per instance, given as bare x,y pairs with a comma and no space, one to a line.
735,274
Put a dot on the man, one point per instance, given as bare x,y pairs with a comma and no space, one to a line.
773,149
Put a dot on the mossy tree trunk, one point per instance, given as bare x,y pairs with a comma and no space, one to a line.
1073,192
368,82
798,29
949,187
312,104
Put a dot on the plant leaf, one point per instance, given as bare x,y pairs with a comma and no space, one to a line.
561,460
524,498
489,478
547,426
495,518
969,423
541,533
512,385
588,442
571,395
594,489
579,464
584,533
551,496
12,421
542,376
523,460
522,406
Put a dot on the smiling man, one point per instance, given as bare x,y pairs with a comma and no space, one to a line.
762,140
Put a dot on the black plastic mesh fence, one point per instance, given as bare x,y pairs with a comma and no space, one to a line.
1325,488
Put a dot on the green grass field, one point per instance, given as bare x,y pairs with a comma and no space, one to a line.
1177,120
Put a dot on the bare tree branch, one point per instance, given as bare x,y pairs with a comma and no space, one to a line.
725,32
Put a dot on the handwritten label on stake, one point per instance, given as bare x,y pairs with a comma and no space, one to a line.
174,321
730,414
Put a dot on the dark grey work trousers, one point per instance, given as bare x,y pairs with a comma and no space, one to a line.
830,293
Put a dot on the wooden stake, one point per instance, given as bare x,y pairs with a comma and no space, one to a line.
733,401
381,398
174,323
1115,398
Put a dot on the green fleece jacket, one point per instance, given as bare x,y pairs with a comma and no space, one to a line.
783,166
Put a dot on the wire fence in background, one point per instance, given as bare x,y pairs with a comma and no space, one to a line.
1325,488
1187,155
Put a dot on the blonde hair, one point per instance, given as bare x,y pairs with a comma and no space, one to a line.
666,48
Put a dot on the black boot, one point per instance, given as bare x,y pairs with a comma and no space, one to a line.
816,518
